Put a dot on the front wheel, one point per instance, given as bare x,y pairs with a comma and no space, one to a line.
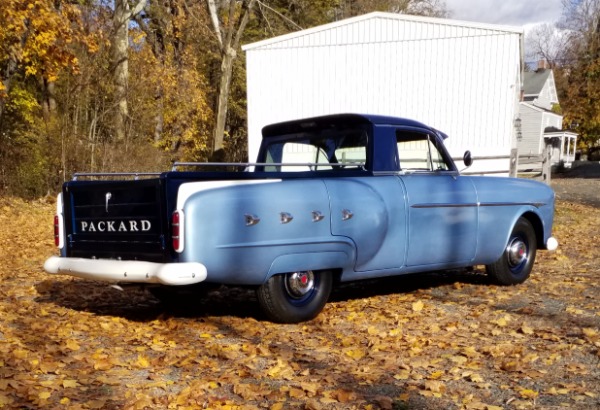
296,296
516,262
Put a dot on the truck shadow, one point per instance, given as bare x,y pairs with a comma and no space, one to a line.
405,284
138,304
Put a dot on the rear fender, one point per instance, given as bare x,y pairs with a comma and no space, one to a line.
331,260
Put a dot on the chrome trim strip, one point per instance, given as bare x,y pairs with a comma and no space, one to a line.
444,205
485,204
312,165
536,204
136,175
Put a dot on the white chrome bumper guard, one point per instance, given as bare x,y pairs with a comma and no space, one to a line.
107,270
551,244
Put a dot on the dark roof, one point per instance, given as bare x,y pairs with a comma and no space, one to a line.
337,120
534,81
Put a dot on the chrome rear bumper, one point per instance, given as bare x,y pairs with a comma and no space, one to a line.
107,270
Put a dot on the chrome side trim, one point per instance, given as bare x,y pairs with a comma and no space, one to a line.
444,205
535,204
251,219
317,216
285,217
485,204
347,214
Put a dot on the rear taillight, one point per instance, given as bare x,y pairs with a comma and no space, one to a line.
177,230
56,230
59,224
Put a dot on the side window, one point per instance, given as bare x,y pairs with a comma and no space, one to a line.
417,152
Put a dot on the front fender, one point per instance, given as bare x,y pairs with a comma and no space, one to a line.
501,203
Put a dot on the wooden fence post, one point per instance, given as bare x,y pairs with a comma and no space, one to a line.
546,161
514,162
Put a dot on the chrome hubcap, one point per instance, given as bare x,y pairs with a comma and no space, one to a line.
517,252
299,284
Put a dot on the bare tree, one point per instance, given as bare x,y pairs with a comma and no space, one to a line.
582,19
430,8
228,32
547,42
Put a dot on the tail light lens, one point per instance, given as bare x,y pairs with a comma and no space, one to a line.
59,224
56,230
177,230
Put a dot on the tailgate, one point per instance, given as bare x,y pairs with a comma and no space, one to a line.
116,219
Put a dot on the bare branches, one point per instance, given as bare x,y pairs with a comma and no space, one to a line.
286,19
214,18
547,42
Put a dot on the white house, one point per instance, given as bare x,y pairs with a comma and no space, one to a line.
539,123
463,78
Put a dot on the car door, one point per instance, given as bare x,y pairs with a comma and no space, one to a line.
442,205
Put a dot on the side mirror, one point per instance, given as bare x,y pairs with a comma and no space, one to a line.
467,159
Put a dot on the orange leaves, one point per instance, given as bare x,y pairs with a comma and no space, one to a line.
77,344
281,370
417,306
141,362
528,394
36,34
73,345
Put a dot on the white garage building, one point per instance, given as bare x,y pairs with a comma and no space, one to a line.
460,77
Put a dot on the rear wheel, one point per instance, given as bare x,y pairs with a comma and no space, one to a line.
516,262
296,296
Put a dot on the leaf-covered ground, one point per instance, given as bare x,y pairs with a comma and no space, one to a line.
437,341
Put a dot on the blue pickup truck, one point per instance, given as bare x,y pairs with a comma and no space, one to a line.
330,199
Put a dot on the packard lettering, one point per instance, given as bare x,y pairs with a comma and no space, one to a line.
116,226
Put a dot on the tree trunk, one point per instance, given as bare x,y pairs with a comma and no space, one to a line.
223,98
229,39
119,48
120,63
49,99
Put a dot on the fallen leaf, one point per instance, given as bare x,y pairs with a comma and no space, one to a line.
70,384
528,394
417,306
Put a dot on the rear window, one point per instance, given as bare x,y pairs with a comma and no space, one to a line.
318,151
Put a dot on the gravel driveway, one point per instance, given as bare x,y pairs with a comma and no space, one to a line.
580,184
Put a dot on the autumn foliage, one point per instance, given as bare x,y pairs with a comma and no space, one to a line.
442,340
123,85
